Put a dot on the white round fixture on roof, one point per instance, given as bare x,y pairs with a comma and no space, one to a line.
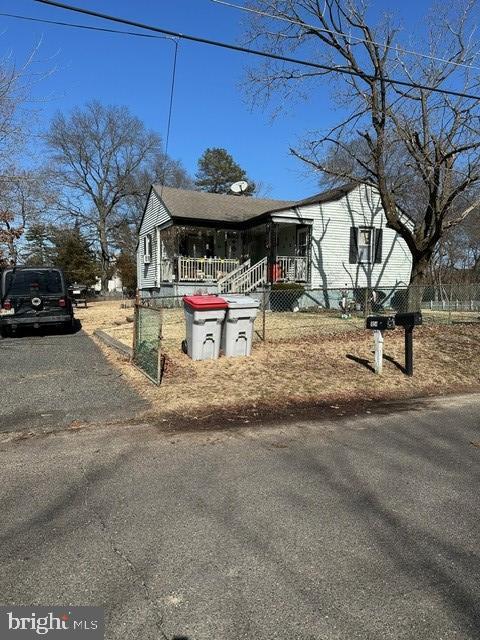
239,187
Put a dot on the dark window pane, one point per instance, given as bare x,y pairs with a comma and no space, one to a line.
33,282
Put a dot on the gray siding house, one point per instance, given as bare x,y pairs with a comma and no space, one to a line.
192,241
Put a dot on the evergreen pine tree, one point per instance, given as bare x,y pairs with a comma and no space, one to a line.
38,250
72,253
217,171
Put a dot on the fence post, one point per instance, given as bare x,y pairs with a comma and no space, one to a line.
450,304
365,303
264,304
135,327
159,352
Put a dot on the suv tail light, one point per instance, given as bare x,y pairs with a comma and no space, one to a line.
62,302
7,304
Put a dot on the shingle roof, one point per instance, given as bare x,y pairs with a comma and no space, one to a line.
183,203
200,205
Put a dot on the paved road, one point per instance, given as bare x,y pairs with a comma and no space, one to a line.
359,529
49,381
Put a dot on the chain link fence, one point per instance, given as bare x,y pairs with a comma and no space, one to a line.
293,312
147,353
289,310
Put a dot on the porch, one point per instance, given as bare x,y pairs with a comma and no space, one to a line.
235,259
285,269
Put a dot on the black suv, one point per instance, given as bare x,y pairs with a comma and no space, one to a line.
34,296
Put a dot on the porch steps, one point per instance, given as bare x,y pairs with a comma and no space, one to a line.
223,283
245,279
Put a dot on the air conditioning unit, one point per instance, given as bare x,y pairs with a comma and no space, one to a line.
146,259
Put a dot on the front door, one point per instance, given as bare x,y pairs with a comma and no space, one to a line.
302,250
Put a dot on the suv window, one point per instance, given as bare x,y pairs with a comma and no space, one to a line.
33,281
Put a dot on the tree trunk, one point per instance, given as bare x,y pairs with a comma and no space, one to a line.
104,255
418,281
104,272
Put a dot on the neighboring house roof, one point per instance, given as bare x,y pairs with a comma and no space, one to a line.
183,203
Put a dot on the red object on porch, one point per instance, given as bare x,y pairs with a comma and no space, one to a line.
275,272
203,303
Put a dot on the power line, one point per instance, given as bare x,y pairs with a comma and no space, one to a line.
256,52
85,27
300,23
170,109
121,32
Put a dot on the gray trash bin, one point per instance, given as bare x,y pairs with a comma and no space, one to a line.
204,318
237,334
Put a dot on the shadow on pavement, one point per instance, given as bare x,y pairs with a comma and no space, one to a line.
42,331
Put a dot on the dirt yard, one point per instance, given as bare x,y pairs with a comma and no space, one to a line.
306,359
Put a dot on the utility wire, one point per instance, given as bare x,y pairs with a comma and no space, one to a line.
382,45
256,52
170,109
85,27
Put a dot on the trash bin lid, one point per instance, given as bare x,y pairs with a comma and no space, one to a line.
204,303
242,302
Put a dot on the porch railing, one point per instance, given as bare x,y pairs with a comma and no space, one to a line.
224,283
292,268
250,279
204,269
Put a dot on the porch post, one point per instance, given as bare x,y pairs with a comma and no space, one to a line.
176,252
272,239
159,274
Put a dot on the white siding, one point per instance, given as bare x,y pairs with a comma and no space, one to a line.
331,243
332,221
155,215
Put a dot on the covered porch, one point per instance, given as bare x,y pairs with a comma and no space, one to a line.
198,254
287,248
267,253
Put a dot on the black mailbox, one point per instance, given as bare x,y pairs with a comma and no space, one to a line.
380,323
408,319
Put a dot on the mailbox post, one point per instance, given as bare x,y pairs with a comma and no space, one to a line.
409,321
379,339
379,324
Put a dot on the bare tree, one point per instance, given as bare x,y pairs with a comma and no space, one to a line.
457,256
436,135
99,154
24,199
20,197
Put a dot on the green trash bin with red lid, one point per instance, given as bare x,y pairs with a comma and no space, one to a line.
204,316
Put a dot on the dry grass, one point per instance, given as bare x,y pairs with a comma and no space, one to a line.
307,358
104,315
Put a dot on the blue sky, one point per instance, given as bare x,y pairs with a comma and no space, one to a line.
209,108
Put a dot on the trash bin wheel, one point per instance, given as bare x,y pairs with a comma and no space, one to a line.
184,346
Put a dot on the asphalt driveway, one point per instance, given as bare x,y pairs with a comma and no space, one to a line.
361,529
51,380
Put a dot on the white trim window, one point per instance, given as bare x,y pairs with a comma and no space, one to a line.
365,244
147,248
